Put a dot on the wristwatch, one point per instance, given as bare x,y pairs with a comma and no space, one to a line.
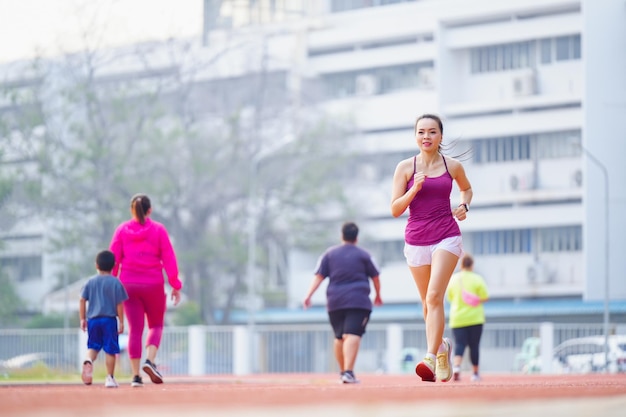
465,206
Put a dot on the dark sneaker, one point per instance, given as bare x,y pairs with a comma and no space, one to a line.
137,382
151,370
348,378
87,374
426,369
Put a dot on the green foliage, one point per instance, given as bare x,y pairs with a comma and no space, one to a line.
275,299
52,321
187,314
10,302
101,141
7,183
38,372
6,187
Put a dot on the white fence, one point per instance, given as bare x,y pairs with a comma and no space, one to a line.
303,348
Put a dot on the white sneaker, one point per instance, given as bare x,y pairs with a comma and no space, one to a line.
87,374
426,369
444,370
110,382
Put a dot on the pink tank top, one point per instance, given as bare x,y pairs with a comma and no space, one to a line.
430,213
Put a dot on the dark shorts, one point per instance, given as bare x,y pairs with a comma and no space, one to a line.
102,335
468,336
349,321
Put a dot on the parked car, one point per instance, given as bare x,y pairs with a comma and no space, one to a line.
31,360
527,360
586,354
581,355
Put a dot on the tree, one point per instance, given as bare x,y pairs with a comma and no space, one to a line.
10,303
14,186
187,314
103,138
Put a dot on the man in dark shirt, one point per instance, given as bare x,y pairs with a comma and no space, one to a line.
349,269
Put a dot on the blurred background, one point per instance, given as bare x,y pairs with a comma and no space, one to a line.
258,127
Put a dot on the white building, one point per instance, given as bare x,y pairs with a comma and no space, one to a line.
532,89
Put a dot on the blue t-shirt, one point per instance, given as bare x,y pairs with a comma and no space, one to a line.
349,269
103,293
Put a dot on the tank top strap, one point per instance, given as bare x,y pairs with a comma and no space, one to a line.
445,164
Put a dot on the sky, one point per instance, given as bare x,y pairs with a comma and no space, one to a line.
51,27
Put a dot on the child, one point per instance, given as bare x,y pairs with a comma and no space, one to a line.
106,295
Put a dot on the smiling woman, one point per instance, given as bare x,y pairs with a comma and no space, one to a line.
37,27
433,244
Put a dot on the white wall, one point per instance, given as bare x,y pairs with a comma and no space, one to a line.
604,136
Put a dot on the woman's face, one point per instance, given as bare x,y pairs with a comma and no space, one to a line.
428,135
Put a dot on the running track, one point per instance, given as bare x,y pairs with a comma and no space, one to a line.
321,395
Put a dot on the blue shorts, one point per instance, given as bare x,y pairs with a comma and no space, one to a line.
423,255
102,335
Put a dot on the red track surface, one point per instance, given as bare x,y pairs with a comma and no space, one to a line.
304,395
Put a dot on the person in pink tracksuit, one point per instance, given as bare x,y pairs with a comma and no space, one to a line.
143,249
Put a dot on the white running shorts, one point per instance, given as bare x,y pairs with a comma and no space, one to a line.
423,255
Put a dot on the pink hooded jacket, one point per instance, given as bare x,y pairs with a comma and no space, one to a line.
142,251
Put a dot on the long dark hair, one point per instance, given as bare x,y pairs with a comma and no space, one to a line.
443,149
140,204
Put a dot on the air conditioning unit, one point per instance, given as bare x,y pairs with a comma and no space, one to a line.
534,274
523,181
540,273
524,84
426,78
366,85
577,178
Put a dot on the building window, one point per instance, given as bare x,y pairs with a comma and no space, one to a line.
546,51
561,239
519,241
567,48
344,5
503,149
386,252
576,47
551,145
502,57
375,81
558,145
22,268
518,55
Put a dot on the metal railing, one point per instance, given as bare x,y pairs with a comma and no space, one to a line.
305,348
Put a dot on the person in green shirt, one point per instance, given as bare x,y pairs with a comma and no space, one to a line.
467,292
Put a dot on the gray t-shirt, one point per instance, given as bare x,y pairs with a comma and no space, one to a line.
349,269
103,293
